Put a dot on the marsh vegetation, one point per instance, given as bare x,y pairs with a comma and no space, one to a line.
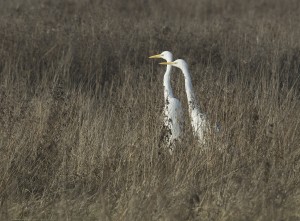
81,104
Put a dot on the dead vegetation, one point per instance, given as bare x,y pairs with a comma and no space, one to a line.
80,110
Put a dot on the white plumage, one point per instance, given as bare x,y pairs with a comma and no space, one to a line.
173,118
198,120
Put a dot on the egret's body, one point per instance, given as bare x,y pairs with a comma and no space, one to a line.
173,120
198,119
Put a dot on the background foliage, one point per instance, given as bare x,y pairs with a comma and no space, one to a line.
81,104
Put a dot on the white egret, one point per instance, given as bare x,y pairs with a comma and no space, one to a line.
198,120
173,120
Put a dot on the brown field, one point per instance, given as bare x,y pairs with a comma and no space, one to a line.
81,106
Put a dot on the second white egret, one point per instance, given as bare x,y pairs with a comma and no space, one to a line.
198,120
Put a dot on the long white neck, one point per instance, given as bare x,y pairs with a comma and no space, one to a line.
168,92
192,102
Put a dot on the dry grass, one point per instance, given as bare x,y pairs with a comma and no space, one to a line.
80,110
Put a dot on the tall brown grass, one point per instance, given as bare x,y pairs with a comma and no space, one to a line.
81,104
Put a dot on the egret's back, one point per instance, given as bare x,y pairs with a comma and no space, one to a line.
173,121
199,124
173,118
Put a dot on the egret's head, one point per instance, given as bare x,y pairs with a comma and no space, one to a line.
179,63
166,55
